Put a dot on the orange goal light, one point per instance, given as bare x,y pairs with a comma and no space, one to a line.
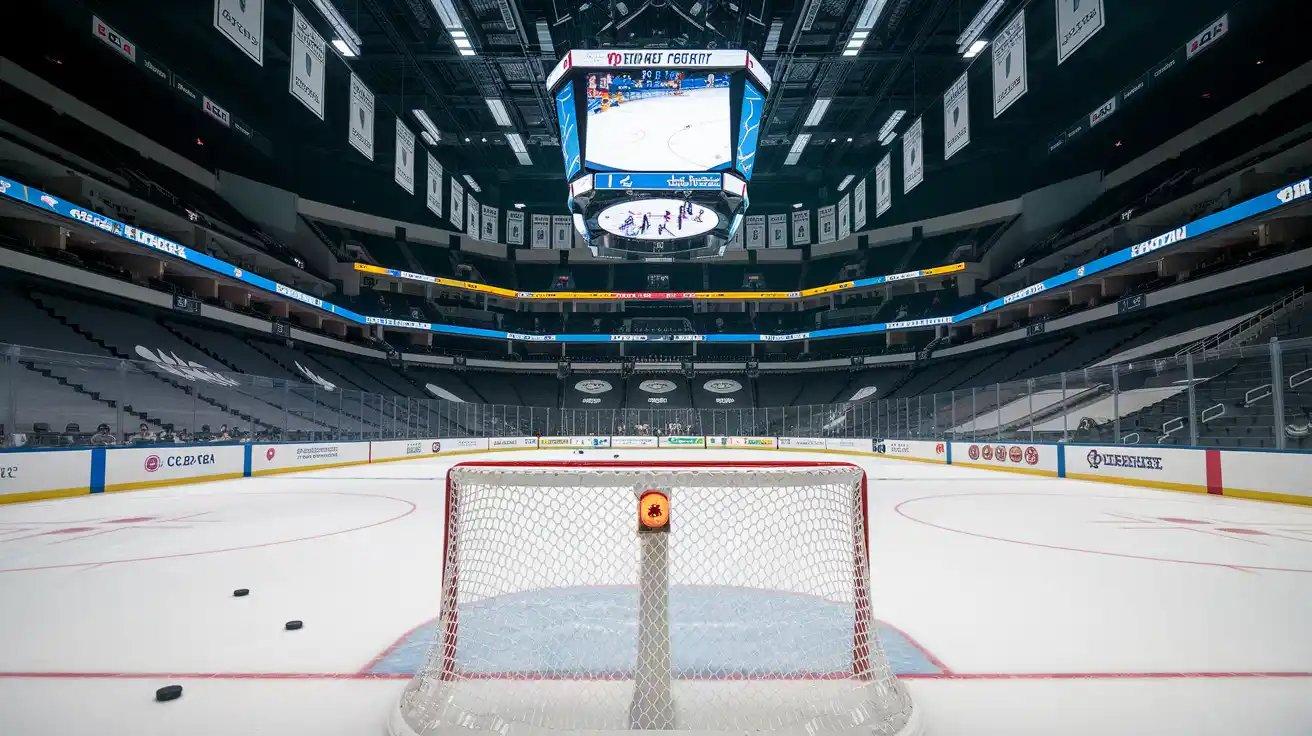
653,511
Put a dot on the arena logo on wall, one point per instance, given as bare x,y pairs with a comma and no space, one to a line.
592,386
155,462
657,386
723,386
1099,459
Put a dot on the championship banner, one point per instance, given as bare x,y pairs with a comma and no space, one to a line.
473,213
913,156
859,206
827,230
560,231
845,216
1010,69
362,118
434,198
754,237
489,231
541,232
1077,22
404,166
778,231
801,227
884,185
515,227
242,21
457,213
735,241
956,117
308,64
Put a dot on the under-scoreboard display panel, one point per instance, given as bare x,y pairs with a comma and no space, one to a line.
644,124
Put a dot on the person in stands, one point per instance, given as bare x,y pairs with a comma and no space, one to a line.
103,436
143,434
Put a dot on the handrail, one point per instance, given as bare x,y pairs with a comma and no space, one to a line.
1238,332
1206,417
1126,440
1254,395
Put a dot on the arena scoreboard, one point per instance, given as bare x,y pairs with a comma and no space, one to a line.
658,145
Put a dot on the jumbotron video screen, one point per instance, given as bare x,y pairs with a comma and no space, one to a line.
658,120
658,145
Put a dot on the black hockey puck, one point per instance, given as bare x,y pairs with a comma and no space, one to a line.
168,692
240,593
293,625
617,457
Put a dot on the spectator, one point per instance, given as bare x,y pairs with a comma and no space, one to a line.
103,436
143,434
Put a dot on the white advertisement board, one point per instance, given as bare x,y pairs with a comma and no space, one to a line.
1015,457
1262,473
160,465
593,442
682,442
742,443
633,442
800,443
512,443
387,450
922,450
849,444
1160,467
291,457
27,473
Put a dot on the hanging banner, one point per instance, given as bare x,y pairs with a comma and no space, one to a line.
434,198
956,117
490,222
308,64
457,213
859,206
735,241
362,118
473,213
405,158
913,156
845,216
561,228
515,227
242,21
754,237
1010,69
778,231
1077,22
884,185
541,232
827,229
801,227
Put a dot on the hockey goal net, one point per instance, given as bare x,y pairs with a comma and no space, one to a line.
562,611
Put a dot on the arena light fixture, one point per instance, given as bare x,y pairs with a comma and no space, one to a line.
545,43
976,27
975,48
430,140
426,123
499,113
799,143
472,184
519,205
891,124
797,205
846,180
516,142
892,136
818,109
345,34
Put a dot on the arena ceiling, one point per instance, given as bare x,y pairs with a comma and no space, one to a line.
410,62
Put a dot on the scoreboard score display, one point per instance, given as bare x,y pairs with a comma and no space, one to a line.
644,132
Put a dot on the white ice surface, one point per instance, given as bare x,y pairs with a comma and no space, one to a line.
689,132
993,574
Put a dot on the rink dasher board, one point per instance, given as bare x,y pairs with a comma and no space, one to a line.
31,474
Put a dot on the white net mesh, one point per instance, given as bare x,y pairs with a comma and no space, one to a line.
750,614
